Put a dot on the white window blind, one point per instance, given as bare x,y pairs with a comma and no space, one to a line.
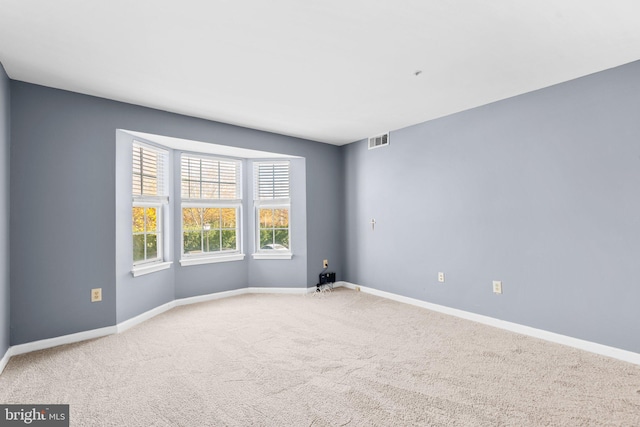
207,178
148,170
271,181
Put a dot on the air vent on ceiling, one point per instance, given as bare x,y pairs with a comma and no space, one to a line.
379,141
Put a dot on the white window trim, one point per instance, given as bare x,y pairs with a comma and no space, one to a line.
141,270
150,200
277,203
209,259
159,202
271,254
219,256
190,203
279,255
160,234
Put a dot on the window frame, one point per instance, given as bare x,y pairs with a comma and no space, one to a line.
158,201
271,203
211,203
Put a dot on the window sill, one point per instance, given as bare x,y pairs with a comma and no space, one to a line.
210,259
263,255
141,270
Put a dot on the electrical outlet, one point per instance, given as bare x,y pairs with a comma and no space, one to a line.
96,295
441,277
325,263
497,286
357,288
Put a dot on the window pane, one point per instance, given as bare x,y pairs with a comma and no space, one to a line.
138,247
194,189
190,174
281,218
138,220
209,170
211,218
192,242
152,246
281,238
266,218
191,220
185,189
228,240
228,191
228,217
212,242
209,190
266,239
152,219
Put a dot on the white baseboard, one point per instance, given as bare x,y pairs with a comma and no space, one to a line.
134,321
291,291
604,350
210,297
65,339
5,359
130,323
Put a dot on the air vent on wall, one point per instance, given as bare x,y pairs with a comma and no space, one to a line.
379,141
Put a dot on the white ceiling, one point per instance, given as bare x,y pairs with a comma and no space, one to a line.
334,71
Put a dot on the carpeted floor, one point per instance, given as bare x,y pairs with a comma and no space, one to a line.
336,359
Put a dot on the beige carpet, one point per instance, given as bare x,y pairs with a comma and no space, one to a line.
341,358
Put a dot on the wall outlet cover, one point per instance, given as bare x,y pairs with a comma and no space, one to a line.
497,286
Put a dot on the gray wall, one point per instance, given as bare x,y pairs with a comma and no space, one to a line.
5,133
540,191
63,166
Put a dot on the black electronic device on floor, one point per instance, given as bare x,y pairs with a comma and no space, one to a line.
328,277
325,279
